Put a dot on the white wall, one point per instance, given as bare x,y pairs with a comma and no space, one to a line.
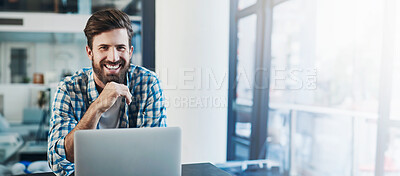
192,39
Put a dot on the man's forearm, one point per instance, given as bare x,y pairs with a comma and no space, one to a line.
88,121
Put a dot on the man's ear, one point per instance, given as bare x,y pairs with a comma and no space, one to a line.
131,52
89,52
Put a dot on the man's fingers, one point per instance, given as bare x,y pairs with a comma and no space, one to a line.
128,97
125,92
122,90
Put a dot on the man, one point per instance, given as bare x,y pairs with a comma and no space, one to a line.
111,94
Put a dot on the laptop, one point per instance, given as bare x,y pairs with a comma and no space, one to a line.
130,151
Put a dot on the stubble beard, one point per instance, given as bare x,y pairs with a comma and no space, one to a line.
118,78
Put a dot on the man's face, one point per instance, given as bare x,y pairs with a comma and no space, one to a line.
110,56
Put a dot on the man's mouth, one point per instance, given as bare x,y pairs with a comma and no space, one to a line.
112,67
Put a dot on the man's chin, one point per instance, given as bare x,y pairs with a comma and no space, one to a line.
118,77
113,78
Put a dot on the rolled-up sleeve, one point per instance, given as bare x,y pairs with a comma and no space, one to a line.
62,121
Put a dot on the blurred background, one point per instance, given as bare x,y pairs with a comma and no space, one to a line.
41,42
259,87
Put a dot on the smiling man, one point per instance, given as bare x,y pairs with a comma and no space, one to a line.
112,94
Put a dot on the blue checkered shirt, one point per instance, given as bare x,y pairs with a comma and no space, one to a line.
75,94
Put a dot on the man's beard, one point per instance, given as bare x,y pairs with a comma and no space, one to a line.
118,78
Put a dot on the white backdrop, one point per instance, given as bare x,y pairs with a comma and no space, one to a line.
192,45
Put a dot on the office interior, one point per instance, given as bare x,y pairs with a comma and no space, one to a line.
258,87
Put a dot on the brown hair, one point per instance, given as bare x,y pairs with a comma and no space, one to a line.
107,20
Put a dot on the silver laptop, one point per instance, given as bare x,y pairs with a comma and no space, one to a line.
133,151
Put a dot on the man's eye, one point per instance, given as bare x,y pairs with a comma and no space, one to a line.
103,48
121,48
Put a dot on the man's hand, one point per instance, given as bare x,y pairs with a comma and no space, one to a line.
110,94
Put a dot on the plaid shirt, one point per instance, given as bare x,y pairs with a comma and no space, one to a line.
75,94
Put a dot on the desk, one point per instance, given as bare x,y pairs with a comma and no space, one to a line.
201,169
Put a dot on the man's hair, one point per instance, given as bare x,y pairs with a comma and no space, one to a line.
107,20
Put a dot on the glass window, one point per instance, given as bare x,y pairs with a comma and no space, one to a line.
395,101
319,148
246,59
325,71
18,65
241,151
246,51
395,98
278,138
364,146
245,3
392,153
327,53
245,74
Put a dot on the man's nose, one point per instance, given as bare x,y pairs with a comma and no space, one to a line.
113,55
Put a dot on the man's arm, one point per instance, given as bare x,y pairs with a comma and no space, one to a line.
106,99
63,124
88,121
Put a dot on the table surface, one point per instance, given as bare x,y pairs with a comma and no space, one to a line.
200,169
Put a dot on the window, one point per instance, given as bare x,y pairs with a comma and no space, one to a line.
242,4
18,62
245,54
325,72
18,65
332,64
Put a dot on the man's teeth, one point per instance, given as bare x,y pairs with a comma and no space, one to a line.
112,66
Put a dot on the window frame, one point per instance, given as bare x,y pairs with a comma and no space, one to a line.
259,109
